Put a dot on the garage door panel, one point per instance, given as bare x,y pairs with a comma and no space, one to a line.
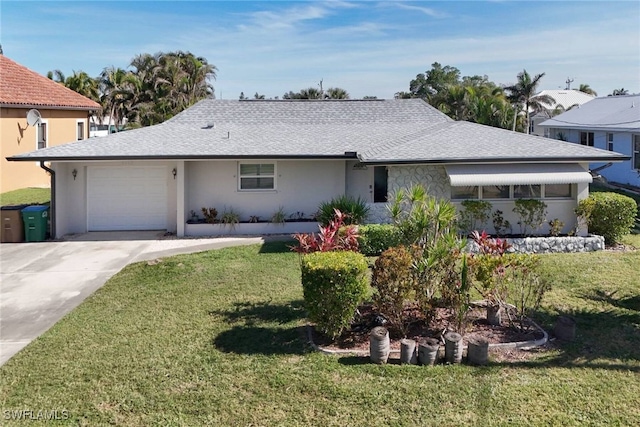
127,198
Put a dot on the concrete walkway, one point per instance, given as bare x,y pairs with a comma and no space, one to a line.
41,282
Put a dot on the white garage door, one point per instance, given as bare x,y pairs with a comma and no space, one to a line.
126,198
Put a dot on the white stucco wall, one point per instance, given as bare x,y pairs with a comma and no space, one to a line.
300,187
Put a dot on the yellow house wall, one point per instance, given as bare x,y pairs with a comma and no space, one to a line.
16,138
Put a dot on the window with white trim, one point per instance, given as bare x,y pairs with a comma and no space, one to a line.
256,176
530,191
557,191
80,130
610,141
586,138
496,191
511,192
464,193
636,151
41,135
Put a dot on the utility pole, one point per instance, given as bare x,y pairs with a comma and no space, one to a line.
568,82
321,90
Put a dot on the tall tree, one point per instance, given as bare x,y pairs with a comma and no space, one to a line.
116,94
258,96
437,79
79,82
587,89
522,95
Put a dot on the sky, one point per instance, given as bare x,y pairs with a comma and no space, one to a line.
369,48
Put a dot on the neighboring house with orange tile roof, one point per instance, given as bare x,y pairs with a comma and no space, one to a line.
64,118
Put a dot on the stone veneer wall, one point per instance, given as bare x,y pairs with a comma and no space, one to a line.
433,178
543,245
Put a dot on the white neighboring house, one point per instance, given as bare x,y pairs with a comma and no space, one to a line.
256,158
104,127
565,99
610,123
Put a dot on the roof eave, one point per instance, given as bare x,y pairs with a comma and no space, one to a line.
346,156
50,107
620,158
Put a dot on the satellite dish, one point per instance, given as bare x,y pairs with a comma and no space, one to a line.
33,117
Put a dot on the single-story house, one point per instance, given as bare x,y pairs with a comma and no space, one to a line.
609,123
256,157
35,113
565,99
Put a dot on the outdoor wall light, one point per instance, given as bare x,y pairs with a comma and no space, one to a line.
74,173
174,172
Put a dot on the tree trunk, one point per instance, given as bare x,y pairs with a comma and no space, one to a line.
408,352
379,345
453,347
428,351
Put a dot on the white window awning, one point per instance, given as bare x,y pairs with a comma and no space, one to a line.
517,174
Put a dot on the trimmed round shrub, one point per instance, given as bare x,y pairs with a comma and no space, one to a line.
376,238
610,215
334,284
355,209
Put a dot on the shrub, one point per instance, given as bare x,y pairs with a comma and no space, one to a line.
376,238
474,215
430,225
525,287
500,225
532,214
610,215
332,237
210,215
334,284
355,210
555,227
392,278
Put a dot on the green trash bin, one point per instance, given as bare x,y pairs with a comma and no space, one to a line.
35,220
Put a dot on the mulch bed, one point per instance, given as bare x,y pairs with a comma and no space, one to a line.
356,339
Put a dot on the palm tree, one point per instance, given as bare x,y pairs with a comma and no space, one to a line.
83,84
522,96
619,92
310,93
336,93
116,94
56,75
587,89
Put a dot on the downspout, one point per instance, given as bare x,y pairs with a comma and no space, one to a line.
52,208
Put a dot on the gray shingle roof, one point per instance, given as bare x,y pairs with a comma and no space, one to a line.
620,113
394,131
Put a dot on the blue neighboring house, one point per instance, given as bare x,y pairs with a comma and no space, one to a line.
610,123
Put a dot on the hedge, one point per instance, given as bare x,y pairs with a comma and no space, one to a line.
610,215
377,238
334,284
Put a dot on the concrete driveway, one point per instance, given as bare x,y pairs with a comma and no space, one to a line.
41,282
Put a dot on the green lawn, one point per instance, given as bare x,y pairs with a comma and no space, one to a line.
26,196
217,338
